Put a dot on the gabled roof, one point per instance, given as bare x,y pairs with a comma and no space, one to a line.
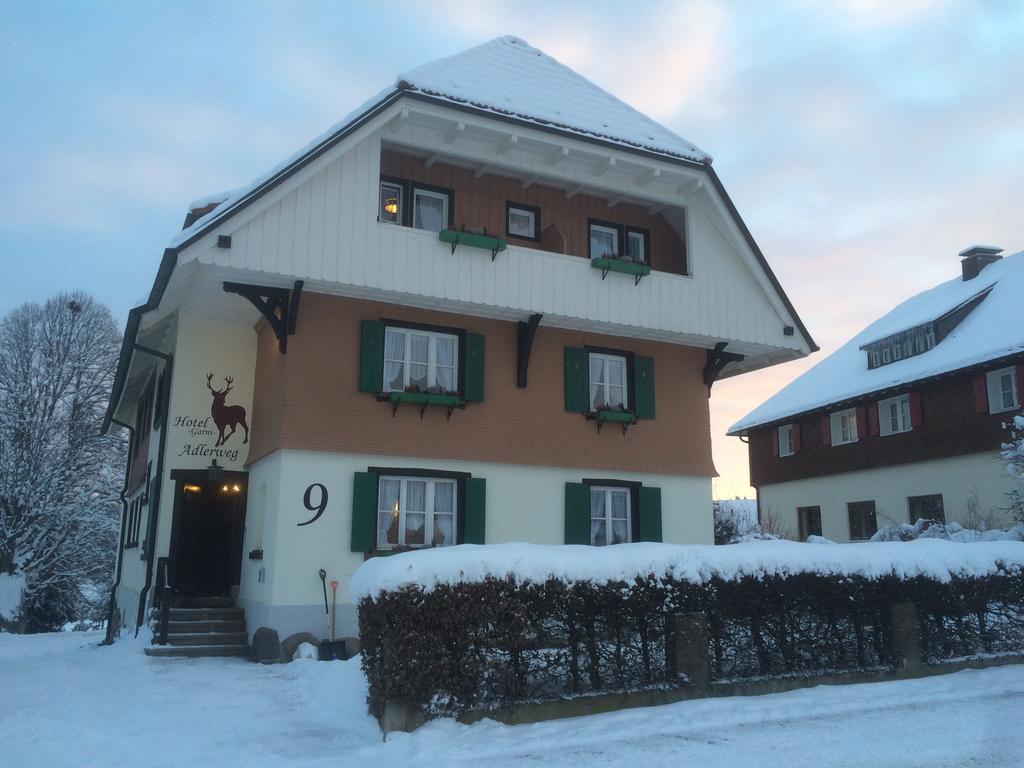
505,77
992,330
508,76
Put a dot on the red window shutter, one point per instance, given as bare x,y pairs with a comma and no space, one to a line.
796,438
873,420
826,431
980,393
916,414
862,422
775,441
1020,384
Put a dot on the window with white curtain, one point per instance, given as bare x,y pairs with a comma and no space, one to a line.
430,209
415,512
610,521
607,382
1002,390
786,447
420,361
894,415
844,426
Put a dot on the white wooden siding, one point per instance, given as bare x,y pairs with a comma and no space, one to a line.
324,230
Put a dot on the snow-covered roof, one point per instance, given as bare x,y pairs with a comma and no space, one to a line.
510,77
505,76
994,329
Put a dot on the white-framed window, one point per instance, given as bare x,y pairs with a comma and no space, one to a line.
844,426
430,209
604,242
894,415
636,245
415,512
610,516
523,221
1002,390
608,389
420,361
392,205
786,440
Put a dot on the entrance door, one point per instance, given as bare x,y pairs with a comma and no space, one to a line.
206,534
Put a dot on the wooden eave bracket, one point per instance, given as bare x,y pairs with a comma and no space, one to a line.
718,358
279,307
525,332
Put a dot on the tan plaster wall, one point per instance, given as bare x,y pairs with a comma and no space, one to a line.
309,399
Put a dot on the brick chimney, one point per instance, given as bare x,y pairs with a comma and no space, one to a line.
976,258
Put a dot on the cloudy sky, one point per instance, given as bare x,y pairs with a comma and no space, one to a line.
865,142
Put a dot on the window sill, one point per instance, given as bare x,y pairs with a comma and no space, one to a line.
485,242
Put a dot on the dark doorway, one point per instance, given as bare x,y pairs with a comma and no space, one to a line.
206,533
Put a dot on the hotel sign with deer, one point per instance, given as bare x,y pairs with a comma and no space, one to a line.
214,434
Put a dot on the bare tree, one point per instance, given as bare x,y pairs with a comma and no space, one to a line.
59,479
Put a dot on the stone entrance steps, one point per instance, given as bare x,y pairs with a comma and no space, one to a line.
209,626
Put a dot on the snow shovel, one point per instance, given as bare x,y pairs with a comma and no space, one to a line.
330,649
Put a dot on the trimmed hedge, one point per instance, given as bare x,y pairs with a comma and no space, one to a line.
495,642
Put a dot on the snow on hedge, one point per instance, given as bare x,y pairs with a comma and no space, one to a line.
536,563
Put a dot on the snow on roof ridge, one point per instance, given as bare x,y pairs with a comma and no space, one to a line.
993,330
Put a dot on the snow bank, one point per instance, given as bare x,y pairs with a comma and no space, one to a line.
536,563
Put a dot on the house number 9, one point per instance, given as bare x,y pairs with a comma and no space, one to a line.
319,507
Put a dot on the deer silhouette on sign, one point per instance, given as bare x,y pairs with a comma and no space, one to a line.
225,416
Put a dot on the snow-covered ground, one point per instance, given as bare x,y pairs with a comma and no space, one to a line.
66,702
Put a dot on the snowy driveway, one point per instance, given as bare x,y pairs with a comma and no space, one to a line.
64,702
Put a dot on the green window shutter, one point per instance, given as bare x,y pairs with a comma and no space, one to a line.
473,392
577,513
364,512
650,514
577,381
643,386
475,511
371,356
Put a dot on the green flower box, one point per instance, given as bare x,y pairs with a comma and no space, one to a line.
607,265
493,244
424,398
617,417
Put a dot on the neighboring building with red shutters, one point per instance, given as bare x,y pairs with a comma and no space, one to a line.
905,420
